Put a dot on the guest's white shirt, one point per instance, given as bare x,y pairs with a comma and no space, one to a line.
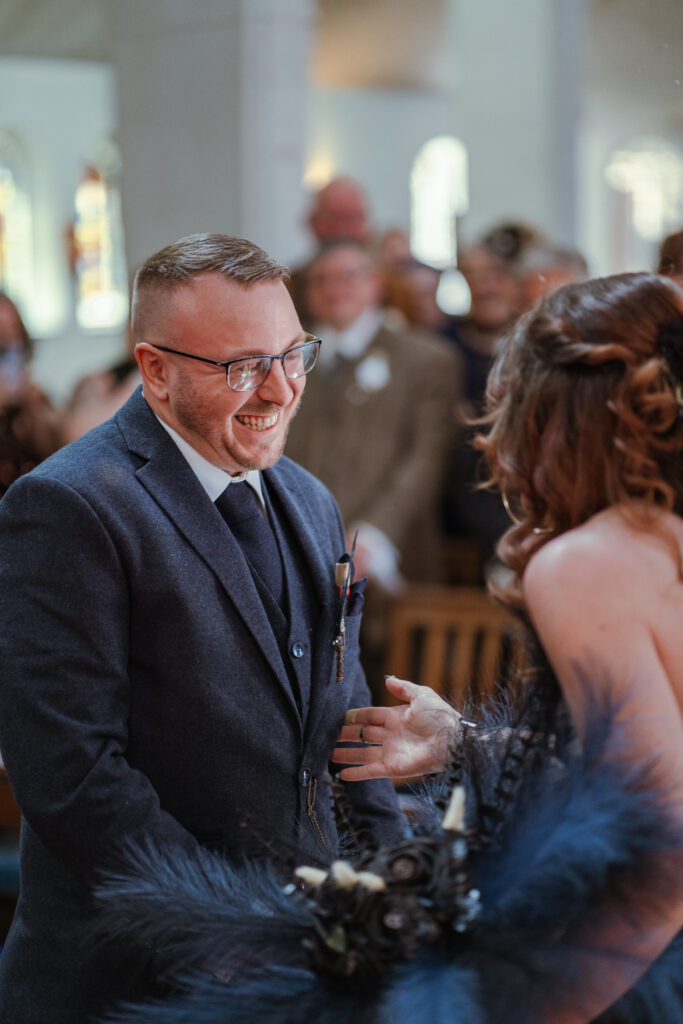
351,342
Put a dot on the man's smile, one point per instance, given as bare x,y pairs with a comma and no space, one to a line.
258,422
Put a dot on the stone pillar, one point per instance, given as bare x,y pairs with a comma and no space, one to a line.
212,115
517,107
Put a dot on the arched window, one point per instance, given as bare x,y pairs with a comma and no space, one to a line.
647,178
16,223
439,194
98,251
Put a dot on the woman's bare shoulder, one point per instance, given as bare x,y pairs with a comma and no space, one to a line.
609,594
608,551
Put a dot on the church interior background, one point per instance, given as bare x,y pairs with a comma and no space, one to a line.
125,124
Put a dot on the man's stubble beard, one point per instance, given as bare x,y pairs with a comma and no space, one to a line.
189,415
283,444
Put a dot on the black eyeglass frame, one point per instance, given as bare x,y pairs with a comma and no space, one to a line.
310,339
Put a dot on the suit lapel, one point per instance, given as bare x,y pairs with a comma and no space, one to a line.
295,507
310,531
167,477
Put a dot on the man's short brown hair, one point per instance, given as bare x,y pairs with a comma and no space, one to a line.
235,259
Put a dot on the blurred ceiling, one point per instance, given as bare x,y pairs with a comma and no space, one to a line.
382,44
636,53
635,47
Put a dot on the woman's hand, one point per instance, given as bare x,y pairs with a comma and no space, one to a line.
412,739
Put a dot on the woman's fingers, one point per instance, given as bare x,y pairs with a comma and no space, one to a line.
361,773
402,688
361,733
366,716
356,755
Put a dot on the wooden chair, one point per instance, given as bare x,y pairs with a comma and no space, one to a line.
455,639
462,561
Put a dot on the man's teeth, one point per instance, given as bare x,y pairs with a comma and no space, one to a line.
258,422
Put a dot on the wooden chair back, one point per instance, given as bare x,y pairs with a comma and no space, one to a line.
457,640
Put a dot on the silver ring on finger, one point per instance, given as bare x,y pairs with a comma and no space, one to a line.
362,735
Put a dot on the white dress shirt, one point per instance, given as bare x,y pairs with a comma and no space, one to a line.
213,479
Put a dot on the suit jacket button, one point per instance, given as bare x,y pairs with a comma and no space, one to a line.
297,650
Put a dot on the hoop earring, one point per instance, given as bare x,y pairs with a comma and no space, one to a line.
538,530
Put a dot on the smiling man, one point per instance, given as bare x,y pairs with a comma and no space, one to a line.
168,612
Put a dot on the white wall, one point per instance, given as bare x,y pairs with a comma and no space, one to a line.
636,91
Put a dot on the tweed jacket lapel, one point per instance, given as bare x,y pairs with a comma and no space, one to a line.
168,478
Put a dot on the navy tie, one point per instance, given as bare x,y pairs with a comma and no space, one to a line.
240,508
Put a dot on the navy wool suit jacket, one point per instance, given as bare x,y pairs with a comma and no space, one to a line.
144,695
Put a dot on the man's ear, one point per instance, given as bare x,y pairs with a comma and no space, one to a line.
153,370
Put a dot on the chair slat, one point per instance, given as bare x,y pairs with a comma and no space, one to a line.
460,634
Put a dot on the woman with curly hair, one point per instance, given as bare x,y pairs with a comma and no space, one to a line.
583,435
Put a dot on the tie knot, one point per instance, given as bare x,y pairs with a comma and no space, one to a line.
238,502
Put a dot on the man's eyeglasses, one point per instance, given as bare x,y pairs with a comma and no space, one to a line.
252,371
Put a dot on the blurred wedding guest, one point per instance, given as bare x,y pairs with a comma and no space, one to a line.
99,395
671,257
411,292
338,210
511,240
496,300
376,425
394,248
491,270
29,429
394,258
545,267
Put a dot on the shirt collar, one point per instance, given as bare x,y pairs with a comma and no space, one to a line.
213,479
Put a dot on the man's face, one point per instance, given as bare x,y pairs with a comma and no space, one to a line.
496,297
341,285
223,320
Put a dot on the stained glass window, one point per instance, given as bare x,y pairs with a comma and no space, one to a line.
97,245
16,224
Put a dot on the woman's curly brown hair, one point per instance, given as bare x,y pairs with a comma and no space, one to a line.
582,410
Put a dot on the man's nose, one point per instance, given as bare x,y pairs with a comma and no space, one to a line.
276,388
